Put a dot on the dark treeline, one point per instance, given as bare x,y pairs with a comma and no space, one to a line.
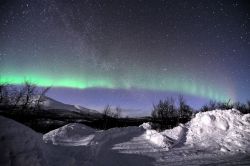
23,103
212,105
22,98
167,114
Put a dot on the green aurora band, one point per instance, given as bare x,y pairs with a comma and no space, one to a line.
174,84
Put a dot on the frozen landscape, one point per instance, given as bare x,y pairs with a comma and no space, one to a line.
124,82
218,137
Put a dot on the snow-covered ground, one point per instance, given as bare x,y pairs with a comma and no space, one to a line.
215,137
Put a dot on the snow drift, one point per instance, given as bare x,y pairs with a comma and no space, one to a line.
81,135
19,144
227,130
224,130
214,134
72,135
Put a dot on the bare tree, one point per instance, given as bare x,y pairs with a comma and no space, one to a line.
107,111
3,93
184,109
17,96
29,91
10,95
117,112
112,113
168,106
212,105
182,104
163,112
241,107
106,116
41,98
248,104
111,116
204,108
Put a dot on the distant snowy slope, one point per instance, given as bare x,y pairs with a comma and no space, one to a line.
49,103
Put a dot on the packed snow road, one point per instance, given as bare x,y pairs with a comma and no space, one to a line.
211,138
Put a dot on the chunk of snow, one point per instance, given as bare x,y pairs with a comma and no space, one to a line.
156,138
73,134
223,149
219,128
174,133
146,126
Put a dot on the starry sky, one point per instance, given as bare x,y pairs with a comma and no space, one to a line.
128,53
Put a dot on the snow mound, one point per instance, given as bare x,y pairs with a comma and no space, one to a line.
223,130
119,134
73,134
174,133
168,138
76,134
205,140
146,126
19,144
226,130
157,138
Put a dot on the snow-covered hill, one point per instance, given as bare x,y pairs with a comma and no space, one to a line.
220,137
51,104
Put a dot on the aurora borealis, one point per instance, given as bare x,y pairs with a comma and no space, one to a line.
96,52
173,85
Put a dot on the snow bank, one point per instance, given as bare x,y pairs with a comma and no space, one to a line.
155,137
174,133
73,134
76,134
19,144
224,130
227,130
207,134
146,126
116,133
168,138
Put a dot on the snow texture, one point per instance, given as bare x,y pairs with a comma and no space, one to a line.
72,135
19,144
225,130
220,137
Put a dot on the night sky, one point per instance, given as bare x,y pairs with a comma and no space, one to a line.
128,53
